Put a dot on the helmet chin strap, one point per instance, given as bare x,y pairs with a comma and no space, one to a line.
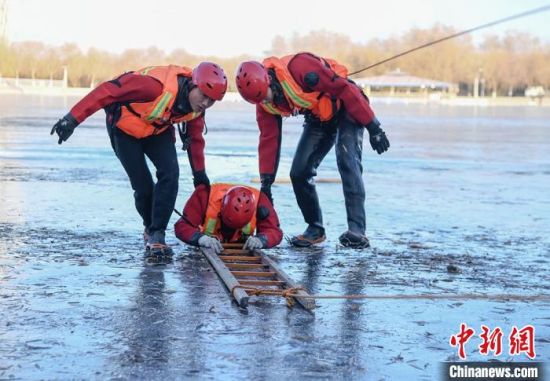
276,88
181,104
225,228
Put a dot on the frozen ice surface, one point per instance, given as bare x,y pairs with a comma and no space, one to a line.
461,186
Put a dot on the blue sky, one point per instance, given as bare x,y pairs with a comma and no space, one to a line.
227,28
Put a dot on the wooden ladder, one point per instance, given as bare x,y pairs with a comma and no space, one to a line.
241,269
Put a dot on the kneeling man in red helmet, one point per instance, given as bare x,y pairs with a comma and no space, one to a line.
229,213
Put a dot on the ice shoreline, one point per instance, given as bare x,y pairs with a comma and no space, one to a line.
375,99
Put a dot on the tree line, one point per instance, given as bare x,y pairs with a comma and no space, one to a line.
507,64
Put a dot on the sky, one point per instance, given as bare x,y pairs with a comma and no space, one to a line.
233,27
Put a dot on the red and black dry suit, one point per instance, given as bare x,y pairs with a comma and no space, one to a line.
190,227
154,202
345,128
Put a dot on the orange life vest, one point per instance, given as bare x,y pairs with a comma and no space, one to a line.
212,221
319,103
151,118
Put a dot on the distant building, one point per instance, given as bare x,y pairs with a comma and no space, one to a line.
400,83
26,83
534,92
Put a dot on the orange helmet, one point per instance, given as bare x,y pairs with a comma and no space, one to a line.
210,79
237,207
252,81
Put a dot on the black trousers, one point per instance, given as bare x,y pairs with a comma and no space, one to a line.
316,141
154,202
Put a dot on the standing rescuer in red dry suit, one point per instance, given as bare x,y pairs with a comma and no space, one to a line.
335,111
229,213
141,108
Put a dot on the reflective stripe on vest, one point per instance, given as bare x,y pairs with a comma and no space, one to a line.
295,97
210,226
160,107
270,108
146,70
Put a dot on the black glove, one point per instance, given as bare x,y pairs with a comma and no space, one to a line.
199,178
266,181
64,128
377,137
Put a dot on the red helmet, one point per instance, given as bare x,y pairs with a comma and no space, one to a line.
211,80
252,81
237,207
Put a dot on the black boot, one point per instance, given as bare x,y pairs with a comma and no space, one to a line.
354,240
313,235
156,246
146,237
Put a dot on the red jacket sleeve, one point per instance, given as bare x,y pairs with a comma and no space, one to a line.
357,105
269,148
195,152
268,228
126,88
187,227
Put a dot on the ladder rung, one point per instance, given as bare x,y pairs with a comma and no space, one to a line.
262,282
232,245
261,274
244,266
251,258
235,251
